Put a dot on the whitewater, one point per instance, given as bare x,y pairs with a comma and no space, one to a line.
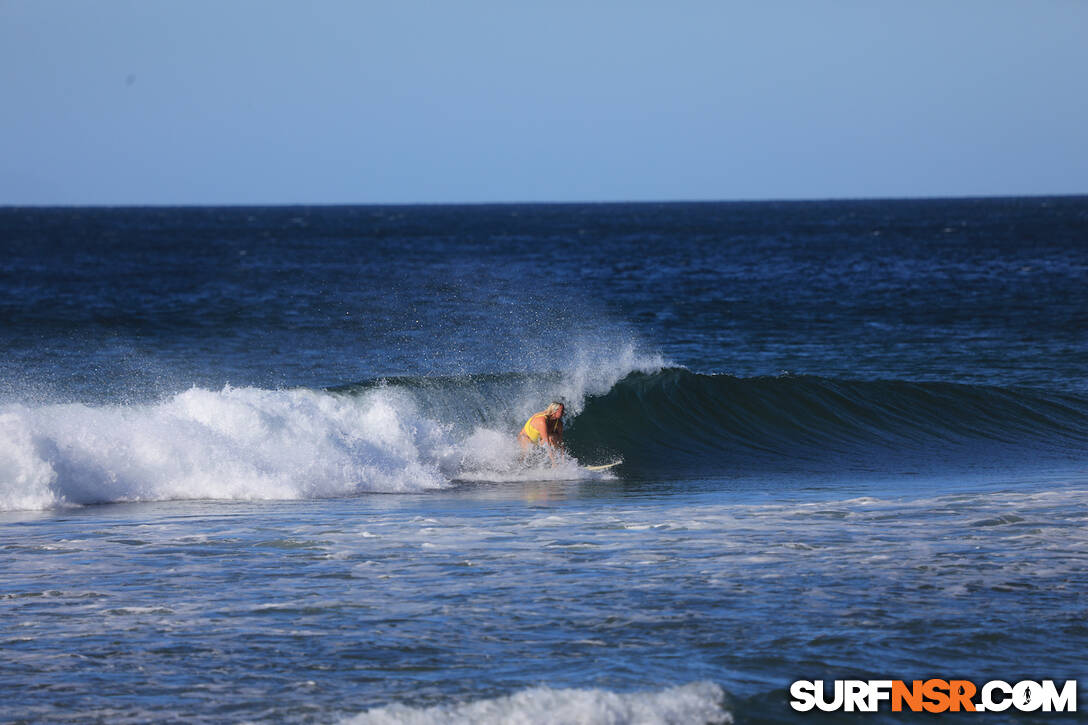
249,443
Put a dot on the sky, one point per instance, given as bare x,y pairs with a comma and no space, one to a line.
366,102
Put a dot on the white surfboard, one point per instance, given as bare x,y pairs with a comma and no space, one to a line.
603,466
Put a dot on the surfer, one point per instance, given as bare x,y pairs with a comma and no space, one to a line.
543,428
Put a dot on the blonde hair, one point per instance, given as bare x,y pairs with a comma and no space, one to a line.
552,407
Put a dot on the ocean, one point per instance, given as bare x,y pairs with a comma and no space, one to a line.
259,464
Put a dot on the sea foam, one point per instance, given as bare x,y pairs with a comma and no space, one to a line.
236,443
693,704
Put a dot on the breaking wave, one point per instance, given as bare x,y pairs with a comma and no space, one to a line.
418,434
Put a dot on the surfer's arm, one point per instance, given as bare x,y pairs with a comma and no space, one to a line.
554,441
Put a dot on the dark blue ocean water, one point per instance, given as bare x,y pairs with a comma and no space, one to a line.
258,464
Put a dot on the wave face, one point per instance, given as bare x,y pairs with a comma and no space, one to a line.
417,434
675,419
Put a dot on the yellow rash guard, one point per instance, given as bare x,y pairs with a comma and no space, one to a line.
532,433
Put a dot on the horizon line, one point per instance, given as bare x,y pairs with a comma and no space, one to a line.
614,202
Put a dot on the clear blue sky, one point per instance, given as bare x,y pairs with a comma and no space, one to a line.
192,102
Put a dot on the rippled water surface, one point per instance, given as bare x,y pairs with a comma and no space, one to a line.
314,610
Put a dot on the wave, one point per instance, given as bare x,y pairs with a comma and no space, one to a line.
418,434
676,419
699,702
385,435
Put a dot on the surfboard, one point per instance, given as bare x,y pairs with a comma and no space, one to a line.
603,466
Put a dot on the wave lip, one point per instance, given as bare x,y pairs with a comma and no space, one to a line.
693,704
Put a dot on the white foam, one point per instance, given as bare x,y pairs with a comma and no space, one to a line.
693,704
237,443
26,480
493,456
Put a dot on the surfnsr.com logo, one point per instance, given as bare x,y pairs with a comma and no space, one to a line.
934,696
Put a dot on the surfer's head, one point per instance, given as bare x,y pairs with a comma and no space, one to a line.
554,410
